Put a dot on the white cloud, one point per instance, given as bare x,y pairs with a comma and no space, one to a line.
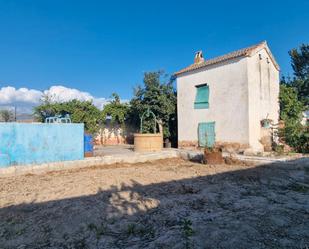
10,95
26,99
64,94
100,102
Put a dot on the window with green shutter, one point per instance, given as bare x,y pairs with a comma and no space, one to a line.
202,97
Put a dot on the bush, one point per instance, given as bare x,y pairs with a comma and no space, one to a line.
294,133
79,111
297,136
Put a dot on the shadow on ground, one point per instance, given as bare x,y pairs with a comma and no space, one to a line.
262,207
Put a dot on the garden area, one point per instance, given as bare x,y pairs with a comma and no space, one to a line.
169,203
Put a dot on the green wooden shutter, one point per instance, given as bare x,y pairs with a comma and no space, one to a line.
202,97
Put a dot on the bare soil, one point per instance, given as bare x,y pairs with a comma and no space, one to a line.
163,204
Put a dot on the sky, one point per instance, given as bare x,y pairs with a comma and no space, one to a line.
91,49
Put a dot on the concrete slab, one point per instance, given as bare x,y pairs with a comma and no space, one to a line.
100,150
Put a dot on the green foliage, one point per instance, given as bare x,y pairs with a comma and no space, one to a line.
302,87
294,133
290,106
79,111
187,227
278,148
159,95
116,110
141,230
300,61
131,229
294,99
99,230
188,232
300,65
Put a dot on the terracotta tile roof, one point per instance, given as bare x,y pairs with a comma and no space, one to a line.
249,51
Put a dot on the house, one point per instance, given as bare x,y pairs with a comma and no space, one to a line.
230,100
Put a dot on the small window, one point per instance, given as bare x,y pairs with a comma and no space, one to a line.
202,97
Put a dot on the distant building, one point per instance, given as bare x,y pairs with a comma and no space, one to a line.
230,100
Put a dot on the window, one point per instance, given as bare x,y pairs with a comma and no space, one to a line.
202,96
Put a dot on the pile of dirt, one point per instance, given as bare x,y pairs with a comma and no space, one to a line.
213,156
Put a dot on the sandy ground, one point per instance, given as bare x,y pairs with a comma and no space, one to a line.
163,204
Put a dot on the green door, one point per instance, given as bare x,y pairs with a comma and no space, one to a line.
206,134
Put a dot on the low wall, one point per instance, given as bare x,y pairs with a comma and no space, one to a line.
88,162
22,143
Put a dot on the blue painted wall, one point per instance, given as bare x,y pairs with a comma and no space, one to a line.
22,143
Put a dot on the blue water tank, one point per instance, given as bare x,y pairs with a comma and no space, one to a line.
88,145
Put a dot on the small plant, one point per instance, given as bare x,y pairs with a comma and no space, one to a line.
278,148
140,230
298,187
20,231
11,221
188,231
187,227
99,230
131,229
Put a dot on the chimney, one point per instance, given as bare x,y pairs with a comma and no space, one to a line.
198,57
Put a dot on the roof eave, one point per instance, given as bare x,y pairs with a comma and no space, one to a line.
265,46
259,47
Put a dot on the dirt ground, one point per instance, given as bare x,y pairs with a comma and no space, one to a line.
163,204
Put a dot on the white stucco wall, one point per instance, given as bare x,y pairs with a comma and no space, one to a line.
228,102
263,94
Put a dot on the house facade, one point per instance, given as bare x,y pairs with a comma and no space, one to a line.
230,100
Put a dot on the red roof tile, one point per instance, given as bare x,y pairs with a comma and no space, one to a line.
249,51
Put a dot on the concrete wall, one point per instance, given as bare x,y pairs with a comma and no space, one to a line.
263,83
228,102
22,143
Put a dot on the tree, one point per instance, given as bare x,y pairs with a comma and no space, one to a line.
300,65
294,99
158,94
79,111
290,107
116,110
294,133
6,115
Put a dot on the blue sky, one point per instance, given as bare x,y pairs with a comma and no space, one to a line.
102,47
